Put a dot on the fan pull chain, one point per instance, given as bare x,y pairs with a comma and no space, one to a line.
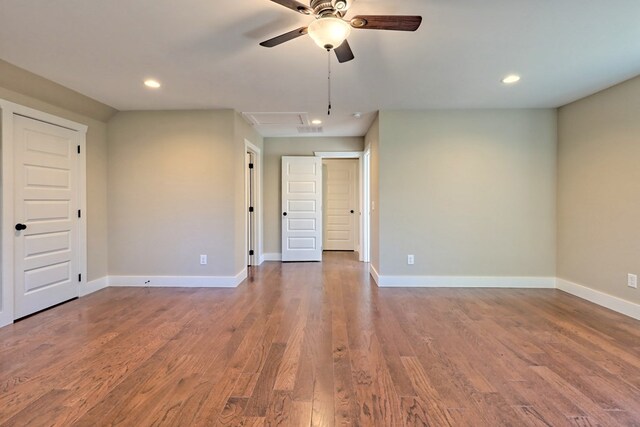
329,80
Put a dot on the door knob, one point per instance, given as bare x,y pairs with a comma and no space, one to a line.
21,227
352,211
284,214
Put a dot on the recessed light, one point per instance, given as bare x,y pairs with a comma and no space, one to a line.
357,115
153,84
316,122
511,79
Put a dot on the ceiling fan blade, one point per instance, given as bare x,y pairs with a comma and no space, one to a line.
295,5
344,53
387,22
285,37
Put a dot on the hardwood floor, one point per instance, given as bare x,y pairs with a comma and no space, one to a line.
319,344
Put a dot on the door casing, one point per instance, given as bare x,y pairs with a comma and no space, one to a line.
364,188
7,111
257,258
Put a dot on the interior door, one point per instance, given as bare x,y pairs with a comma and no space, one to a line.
46,215
340,204
301,209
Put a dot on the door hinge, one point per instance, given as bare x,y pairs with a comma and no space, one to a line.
250,165
79,213
78,149
79,277
251,252
250,208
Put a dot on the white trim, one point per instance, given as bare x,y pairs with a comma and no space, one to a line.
619,305
9,109
94,286
365,208
602,299
6,153
338,154
363,184
464,282
276,256
82,205
257,175
374,274
179,281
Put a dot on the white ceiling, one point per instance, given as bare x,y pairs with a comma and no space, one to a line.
206,54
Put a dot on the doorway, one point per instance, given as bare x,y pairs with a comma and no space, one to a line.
253,203
362,212
341,207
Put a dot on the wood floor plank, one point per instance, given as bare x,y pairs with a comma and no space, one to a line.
318,344
284,411
259,400
346,412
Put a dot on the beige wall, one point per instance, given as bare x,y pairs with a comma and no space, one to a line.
469,193
599,190
40,91
372,139
173,193
274,149
22,87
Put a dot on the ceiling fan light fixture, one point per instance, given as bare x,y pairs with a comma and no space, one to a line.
329,32
340,5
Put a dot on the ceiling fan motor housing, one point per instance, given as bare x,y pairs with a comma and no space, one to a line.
327,7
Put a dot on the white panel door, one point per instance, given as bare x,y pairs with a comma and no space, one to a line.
301,209
46,215
341,204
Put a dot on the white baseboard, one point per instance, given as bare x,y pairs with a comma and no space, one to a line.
276,256
179,281
463,281
94,286
374,273
619,305
5,318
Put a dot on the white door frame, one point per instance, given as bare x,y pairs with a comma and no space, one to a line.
363,185
365,175
257,199
7,111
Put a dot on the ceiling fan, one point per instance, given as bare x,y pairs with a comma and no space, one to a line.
330,31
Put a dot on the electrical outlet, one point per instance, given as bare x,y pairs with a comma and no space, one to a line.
203,260
410,259
632,281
